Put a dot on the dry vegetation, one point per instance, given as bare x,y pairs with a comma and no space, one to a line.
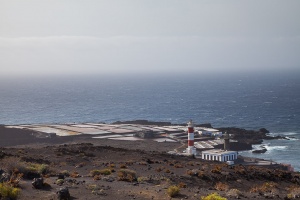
95,171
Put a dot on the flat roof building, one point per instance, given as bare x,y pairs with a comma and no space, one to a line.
219,155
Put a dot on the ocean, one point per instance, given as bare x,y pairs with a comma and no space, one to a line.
250,101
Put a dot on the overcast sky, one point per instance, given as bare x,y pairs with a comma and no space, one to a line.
148,36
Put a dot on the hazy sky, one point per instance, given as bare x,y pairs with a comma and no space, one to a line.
148,36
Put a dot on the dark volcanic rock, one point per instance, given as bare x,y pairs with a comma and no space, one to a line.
245,136
275,138
263,130
146,122
38,183
236,146
260,150
63,194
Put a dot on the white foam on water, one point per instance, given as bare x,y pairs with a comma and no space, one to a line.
287,133
270,148
290,138
257,146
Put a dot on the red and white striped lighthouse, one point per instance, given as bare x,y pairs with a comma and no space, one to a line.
191,149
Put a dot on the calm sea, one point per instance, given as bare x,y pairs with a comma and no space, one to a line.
247,101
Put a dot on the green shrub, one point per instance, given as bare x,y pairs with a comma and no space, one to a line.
43,169
60,181
173,191
15,166
96,190
7,191
213,196
142,179
38,168
127,175
65,173
100,172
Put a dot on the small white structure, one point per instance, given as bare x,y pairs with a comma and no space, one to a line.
209,132
219,155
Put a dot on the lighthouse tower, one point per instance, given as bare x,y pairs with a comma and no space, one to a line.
191,150
226,141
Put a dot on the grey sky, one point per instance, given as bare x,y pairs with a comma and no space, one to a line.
131,36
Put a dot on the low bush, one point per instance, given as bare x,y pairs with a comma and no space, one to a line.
266,187
143,163
203,175
39,168
122,166
97,177
182,185
142,179
217,169
96,190
190,172
28,169
60,182
269,186
8,192
15,179
127,175
159,169
74,174
130,162
100,172
13,165
213,196
221,186
112,165
293,192
178,165
65,173
240,170
235,193
173,191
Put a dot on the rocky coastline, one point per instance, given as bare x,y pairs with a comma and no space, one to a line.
79,167
244,138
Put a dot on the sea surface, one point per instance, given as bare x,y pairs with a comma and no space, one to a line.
250,101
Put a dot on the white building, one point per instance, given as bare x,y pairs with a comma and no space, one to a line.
209,132
219,155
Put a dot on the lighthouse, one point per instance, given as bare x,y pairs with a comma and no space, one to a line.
226,141
191,150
